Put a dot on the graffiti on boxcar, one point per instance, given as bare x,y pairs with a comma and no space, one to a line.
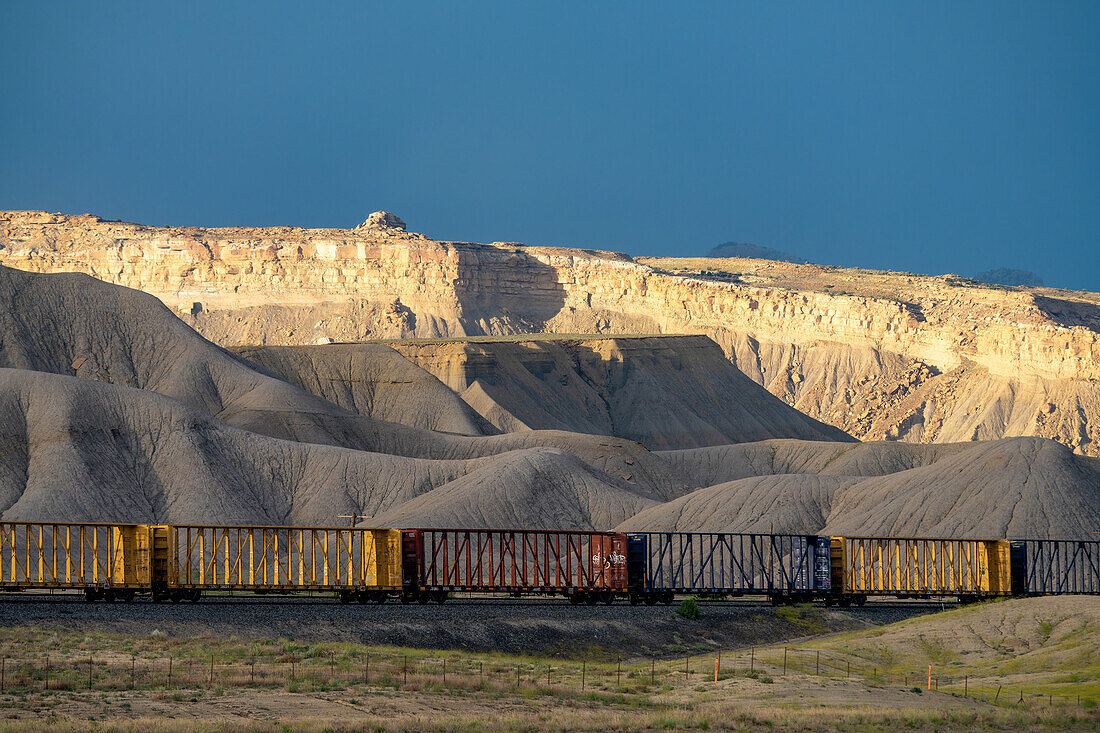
607,561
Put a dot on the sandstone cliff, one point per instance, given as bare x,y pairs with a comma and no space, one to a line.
880,355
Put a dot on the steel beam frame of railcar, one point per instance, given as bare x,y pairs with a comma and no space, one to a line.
783,566
1054,567
94,557
266,559
572,563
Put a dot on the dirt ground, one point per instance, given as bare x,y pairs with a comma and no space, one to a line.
797,702
1026,664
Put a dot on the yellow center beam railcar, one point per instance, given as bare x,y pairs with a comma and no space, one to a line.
104,560
919,566
285,559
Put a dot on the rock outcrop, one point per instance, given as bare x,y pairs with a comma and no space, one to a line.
880,355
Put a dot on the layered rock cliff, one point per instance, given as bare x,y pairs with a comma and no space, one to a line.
881,355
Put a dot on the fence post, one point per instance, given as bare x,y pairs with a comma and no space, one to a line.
444,671
332,665
366,670
517,676
817,671
89,671
405,668
966,685
548,675
3,672
133,669
849,674
481,671
998,695
652,671
716,669
584,663
47,671
252,672
211,670
619,675
784,661
687,667
169,671
752,660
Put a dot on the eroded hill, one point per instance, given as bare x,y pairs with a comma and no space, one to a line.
880,355
112,409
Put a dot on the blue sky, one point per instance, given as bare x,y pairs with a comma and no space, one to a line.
930,137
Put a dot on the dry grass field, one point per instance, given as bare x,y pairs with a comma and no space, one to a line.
1013,665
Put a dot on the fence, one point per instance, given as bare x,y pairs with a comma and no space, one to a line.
311,669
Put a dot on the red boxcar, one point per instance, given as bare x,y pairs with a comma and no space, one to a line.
585,566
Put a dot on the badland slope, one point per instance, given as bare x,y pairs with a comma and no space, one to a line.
79,450
74,325
1013,487
880,355
111,409
667,392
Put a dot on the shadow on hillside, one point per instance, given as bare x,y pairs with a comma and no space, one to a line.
505,290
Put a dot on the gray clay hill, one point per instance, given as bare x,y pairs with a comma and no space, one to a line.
114,409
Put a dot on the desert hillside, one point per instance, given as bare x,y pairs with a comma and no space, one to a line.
114,409
881,356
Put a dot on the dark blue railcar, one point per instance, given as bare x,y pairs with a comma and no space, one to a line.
1055,567
785,567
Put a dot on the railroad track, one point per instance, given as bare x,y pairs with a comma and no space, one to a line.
234,600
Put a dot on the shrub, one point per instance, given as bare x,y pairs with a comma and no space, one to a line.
689,609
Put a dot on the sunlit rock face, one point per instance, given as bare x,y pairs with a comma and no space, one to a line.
890,356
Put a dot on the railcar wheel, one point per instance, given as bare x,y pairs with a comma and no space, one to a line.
422,598
194,595
668,598
90,595
575,599
380,598
345,596
635,599
440,596
860,600
651,600
590,599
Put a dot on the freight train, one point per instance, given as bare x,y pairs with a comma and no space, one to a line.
169,562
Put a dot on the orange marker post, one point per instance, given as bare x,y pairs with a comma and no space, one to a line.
929,676
716,669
